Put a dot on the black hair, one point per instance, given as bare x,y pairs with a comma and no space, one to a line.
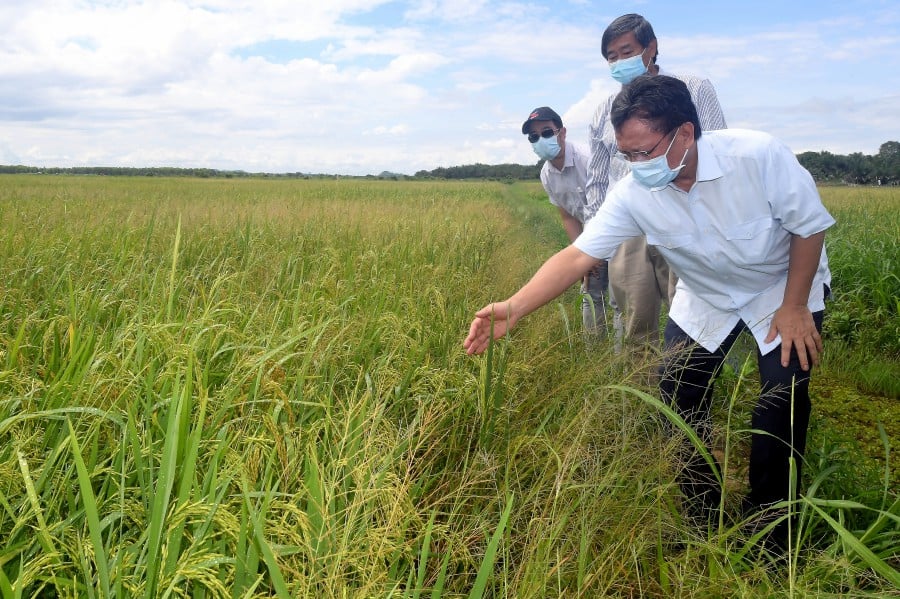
662,102
634,23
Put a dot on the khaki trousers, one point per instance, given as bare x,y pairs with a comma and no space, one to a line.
639,283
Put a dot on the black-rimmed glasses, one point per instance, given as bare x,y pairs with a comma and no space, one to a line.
545,133
641,155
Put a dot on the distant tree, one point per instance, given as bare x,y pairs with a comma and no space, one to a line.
887,163
859,169
856,168
483,171
825,167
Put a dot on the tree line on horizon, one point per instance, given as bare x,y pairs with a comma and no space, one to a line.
857,168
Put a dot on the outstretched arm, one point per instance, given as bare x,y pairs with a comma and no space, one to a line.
793,320
551,280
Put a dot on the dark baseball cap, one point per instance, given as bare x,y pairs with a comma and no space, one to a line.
544,113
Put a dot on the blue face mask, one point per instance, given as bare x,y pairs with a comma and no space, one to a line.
655,173
546,147
627,69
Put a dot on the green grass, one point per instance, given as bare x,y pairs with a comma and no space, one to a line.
864,253
219,388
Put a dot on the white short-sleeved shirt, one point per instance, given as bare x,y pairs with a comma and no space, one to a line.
728,239
565,187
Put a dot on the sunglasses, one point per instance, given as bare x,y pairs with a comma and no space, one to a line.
546,134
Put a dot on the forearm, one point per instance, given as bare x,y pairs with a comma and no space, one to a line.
550,281
802,266
571,224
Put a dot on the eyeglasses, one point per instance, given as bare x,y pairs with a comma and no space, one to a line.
641,155
546,134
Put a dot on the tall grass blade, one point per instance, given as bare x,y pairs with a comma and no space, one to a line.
492,395
868,557
12,351
89,501
423,556
43,531
438,590
171,302
316,507
487,564
6,588
258,530
163,493
678,422
188,463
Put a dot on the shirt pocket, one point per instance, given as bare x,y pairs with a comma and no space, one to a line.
670,241
750,240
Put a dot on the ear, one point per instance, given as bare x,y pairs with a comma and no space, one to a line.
651,52
561,136
687,131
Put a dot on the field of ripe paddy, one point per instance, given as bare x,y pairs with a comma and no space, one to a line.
256,388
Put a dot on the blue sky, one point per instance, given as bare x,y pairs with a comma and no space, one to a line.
364,86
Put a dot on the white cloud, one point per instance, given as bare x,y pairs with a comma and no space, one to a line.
447,10
383,130
579,116
325,87
373,43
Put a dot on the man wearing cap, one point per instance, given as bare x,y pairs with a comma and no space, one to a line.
640,280
563,176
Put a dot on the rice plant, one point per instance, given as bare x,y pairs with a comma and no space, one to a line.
254,388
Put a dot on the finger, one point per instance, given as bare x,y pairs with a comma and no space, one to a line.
786,352
802,355
773,332
814,347
475,332
497,311
485,312
474,349
476,345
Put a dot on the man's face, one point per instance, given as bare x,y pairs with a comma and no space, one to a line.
625,46
636,138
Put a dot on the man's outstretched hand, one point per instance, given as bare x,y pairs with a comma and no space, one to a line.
498,314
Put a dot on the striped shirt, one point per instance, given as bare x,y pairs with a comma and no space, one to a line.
604,172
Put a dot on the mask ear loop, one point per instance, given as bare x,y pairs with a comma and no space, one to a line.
671,143
681,164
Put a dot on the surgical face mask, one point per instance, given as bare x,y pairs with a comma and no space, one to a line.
655,173
626,70
547,147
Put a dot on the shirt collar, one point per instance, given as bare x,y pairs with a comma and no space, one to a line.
568,160
708,167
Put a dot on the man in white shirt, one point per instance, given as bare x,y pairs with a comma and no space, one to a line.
742,225
563,176
640,281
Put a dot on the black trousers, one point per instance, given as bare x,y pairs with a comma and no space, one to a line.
686,382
